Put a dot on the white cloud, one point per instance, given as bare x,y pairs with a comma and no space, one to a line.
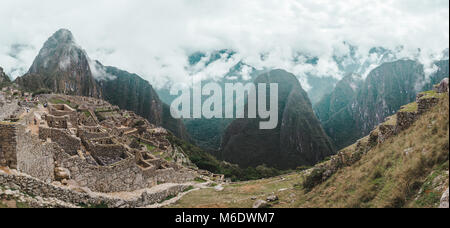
154,38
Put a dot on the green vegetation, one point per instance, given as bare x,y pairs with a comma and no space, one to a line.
385,177
42,91
149,147
388,177
429,196
199,180
188,189
167,198
412,107
22,205
87,114
60,101
206,161
432,94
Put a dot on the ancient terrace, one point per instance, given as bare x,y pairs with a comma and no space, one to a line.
90,143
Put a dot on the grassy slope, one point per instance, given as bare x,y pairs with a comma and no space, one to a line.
386,176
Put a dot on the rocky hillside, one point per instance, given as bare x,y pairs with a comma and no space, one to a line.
3,77
64,67
297,140
384,91
404,162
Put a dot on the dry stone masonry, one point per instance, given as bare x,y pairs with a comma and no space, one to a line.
67,142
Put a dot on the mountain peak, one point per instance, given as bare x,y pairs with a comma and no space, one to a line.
63,36
58,53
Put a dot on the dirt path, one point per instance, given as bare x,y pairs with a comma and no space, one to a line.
196,187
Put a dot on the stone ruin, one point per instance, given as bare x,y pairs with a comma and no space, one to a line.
121,152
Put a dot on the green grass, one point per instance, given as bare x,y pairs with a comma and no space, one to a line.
432,94
149,147
167,198
188,189
413,107
87,114
22,205
199,180
204,160
384,177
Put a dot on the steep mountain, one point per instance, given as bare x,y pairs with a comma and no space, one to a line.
384,91
3,77
342,95
402,169
297,140
63,67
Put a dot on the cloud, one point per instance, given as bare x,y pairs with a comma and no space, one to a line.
154,38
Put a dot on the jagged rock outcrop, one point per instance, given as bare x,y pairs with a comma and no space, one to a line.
64,67
297,140
442,87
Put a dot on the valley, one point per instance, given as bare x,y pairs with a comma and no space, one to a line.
406,169
76,133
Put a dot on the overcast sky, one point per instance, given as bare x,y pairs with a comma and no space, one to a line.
153,38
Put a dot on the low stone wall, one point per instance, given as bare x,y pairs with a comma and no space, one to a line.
68,143
171,176
33,186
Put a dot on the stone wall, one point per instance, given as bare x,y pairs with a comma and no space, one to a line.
19,150
57,121
121,176
8,144
33,186
425,104
64,110
8,109
405,120
87,133
36,158
69,143
171,176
